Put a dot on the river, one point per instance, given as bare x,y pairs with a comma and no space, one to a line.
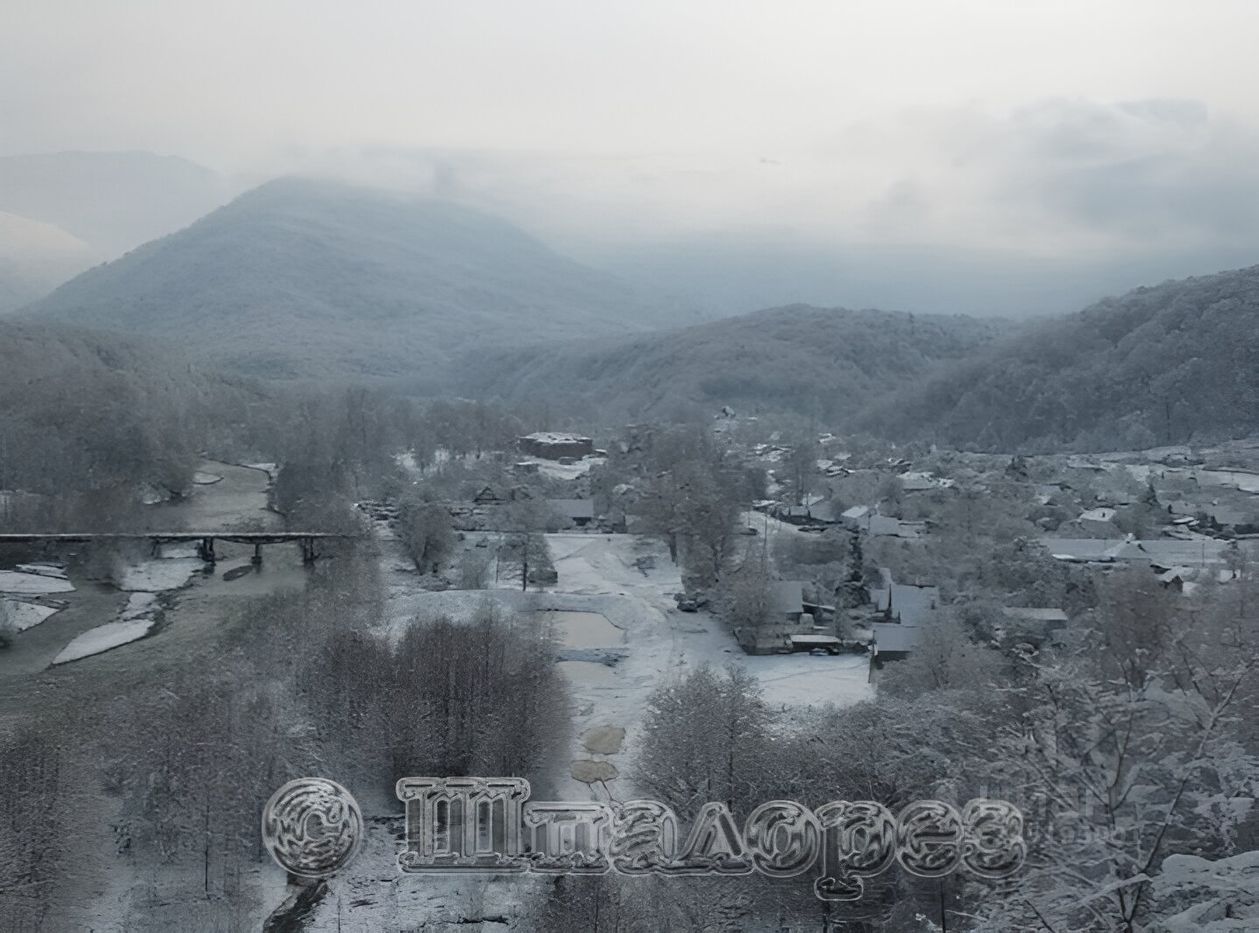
190,615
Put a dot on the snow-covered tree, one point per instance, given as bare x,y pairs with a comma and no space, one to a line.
1118,765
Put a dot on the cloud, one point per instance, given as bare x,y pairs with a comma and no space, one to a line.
1151,173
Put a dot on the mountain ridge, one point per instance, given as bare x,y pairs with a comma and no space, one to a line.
1159,364
821,362
303,277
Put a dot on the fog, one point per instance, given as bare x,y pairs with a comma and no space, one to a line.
1001,158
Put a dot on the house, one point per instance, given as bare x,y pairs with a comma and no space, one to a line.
552,445
579,512
488,495
1176,578
792,514
1233,520
918,481
821,510
892,642
816,511
1048,492
1099,521
855,516
906,603
884,526
1158,553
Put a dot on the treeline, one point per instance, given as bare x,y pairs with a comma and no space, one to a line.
827,363
168,775
1165,365
80,413
92,424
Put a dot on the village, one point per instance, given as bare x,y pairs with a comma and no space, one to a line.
845,548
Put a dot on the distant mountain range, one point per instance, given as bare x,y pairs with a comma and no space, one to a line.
62,212
1167,364
111,201
301,278
34,258
823,362
311,279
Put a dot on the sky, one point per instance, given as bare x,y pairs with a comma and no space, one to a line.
1111,134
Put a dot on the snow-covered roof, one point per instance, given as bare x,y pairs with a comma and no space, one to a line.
1101,514
1166,552
813,639
891,636
918,481
556,437
913,605
884,526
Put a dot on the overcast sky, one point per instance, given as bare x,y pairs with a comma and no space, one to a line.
1055,130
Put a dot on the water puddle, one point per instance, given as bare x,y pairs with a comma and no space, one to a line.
588,673
583,629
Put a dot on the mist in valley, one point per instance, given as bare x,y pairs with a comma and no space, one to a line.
813,445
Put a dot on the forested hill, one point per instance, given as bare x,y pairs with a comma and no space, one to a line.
306,278
1167,364
81,411
828,362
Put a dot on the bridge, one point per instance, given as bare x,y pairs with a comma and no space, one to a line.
204,540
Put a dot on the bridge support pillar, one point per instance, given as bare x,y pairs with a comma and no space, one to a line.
205,550
257,558
308,550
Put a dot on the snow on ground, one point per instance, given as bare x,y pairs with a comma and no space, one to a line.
135,622
206,479
43,570
102,638
23,615
155,576
32,584
804,680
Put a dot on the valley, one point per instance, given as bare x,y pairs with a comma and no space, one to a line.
579,535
